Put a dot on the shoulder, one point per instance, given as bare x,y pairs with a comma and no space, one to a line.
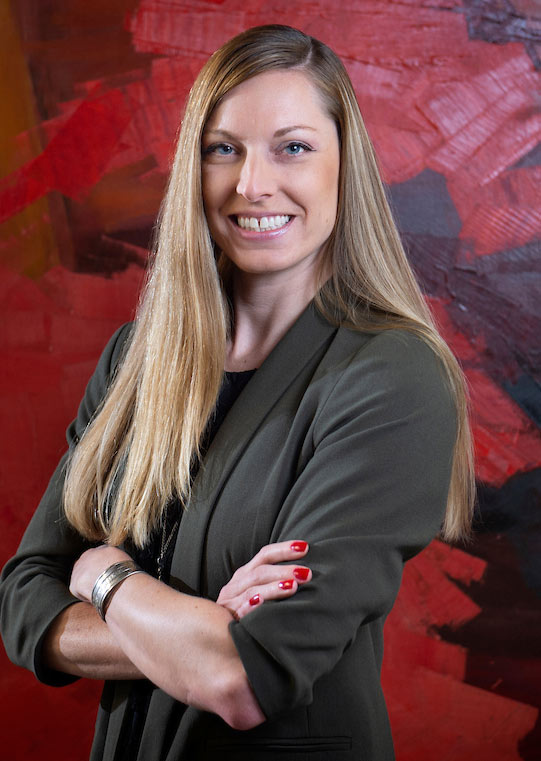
401,355
390,373
115,348
111,356
394,356
100,380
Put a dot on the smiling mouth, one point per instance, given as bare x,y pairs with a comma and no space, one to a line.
263,224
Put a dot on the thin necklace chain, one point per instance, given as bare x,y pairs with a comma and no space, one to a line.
166,541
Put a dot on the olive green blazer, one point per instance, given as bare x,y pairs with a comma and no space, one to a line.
341,438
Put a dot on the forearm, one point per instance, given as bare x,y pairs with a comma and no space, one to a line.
183,645
78,642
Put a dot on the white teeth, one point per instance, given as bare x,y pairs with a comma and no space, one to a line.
265,223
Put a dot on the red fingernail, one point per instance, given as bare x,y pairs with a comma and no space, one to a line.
254,600
286,584
301,573
299,546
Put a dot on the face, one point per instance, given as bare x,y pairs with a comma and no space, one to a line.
270,165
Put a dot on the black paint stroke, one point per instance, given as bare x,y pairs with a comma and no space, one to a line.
494,300
499,22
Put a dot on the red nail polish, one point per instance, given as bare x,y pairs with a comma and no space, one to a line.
286,584
254,600
299,546
301,573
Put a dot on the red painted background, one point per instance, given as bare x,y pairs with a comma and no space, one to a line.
450,90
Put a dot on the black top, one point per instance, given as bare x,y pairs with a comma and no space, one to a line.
155,559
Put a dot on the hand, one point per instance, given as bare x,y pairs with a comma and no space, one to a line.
262,579
89,566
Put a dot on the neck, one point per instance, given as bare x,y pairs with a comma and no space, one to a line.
264,307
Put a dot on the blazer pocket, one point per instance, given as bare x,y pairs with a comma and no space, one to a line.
287,749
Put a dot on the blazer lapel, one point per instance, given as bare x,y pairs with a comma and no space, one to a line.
308,334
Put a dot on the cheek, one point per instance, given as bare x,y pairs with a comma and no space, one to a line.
332,178
207,190
328,197
329,171
212,186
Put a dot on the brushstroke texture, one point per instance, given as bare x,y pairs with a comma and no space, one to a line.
450,93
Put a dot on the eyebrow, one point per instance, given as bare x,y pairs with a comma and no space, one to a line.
278,133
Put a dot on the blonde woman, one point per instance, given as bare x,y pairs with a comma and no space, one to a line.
223,547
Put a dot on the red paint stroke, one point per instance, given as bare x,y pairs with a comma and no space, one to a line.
349,28
429,592
454,106
505,213
51,334
428,599
174,29
384,91
401,153
518,131
160,99
156,104
501,150
422,676
391,96
489,123
404,60
506,441
495,229
75,158
402,133
63,714
413,112
373,32
424,650
455,563
515,187
461,345
435,717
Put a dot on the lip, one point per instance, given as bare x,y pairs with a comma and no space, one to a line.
254,235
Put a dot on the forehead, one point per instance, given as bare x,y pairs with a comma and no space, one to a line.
269,101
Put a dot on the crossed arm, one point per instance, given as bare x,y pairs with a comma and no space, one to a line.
372,494
181,643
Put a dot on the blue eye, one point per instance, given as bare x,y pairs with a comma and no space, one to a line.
220,149
296,149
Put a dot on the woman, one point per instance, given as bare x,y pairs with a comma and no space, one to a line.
340,423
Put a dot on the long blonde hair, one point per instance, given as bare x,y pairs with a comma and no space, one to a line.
139,449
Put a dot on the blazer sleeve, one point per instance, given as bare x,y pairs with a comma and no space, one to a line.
372,494
34,583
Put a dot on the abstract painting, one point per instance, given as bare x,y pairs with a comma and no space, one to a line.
93,94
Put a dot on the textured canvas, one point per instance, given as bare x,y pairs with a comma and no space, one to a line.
92,96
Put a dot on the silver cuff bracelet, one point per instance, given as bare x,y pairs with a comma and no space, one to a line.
108,581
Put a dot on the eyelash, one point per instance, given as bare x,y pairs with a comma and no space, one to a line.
305,148
216,147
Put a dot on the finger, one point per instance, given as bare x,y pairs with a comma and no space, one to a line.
246,579
275,591
258,571
280,552
246,606
266,574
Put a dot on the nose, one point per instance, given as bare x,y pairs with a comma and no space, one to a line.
257,178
